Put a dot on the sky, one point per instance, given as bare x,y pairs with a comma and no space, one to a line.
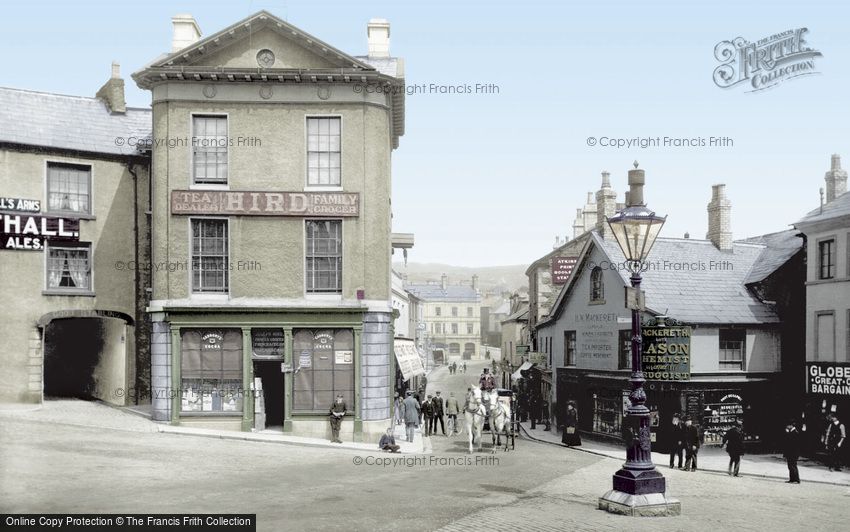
492,178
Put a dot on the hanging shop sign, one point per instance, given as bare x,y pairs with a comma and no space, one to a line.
666,353
267,343
20,205
407,356
250,203
27,232
828,378
562,267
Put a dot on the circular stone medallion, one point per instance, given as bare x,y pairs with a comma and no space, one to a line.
265,58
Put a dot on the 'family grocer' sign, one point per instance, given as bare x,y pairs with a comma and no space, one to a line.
248,203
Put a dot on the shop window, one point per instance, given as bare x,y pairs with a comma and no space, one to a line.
324,151
209,149
569,348
469,348
324,256
324,360
607,414
209,256
454,349
69,267
68,188
211,370
597,287
625,349
732,348
826,259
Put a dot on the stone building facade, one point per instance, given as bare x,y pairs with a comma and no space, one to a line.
274,220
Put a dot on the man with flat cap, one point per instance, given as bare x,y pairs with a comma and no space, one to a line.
411,414
336,413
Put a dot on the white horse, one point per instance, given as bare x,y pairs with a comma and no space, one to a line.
474,413
500,418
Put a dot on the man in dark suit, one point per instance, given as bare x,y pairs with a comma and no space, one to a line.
428,414
692,443
438,413
791,452
734,442
675,435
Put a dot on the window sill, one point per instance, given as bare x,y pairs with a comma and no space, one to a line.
323,188
324,297
79,293
209,186
596,302
190,413
72,215
209,297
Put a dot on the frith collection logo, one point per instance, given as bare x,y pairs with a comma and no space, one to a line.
766,62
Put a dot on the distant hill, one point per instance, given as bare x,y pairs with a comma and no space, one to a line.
490,278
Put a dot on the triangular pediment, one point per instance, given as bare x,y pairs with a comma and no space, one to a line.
240,46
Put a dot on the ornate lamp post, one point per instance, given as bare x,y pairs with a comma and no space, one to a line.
639,489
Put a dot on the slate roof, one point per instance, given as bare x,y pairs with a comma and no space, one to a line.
387,66
68,122
435,292
708,288
519,315
779,248
836,208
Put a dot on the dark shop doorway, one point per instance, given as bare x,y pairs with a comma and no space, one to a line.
272,379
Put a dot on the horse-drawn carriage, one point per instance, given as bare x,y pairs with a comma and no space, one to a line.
494,412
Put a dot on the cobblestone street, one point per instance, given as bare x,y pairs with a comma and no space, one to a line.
124,465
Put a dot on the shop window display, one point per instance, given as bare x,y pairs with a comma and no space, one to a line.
211,371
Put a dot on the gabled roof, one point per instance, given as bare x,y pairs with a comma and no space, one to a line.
836,208
260,20
544,260
779,248
689,280
519,315
75,123
435,292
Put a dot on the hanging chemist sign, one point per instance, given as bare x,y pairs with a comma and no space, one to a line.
666,353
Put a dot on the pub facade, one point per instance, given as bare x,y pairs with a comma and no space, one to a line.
271,218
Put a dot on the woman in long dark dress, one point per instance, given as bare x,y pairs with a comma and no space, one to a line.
570,436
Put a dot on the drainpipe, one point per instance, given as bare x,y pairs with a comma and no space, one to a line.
131,169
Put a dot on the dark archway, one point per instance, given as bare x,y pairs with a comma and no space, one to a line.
72,350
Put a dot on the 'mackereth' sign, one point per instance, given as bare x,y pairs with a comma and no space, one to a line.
248,203
666,353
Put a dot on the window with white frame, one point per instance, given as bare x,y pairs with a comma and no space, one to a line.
454,328
323,151
209,149
69,267
470,328
324,256
209,256
826,259
732,350
69,188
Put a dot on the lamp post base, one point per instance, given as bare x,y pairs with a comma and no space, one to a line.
639,482
647,505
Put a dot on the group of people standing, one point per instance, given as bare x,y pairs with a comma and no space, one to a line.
427,413
453,367
685,440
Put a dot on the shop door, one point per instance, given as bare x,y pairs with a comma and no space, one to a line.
269,372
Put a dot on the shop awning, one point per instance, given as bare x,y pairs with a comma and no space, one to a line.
407,356
517,375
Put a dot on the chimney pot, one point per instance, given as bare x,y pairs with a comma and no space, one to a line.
637,178
112,92
185,32
378,37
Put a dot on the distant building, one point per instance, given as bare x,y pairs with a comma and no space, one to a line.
514,335
491,321
452,319
827,344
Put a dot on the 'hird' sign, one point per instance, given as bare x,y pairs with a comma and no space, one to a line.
249,203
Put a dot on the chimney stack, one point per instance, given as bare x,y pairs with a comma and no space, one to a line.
112,92
185,32
637,178
836,179
475,282
444,281
606,205
378,35
719,219
578,224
